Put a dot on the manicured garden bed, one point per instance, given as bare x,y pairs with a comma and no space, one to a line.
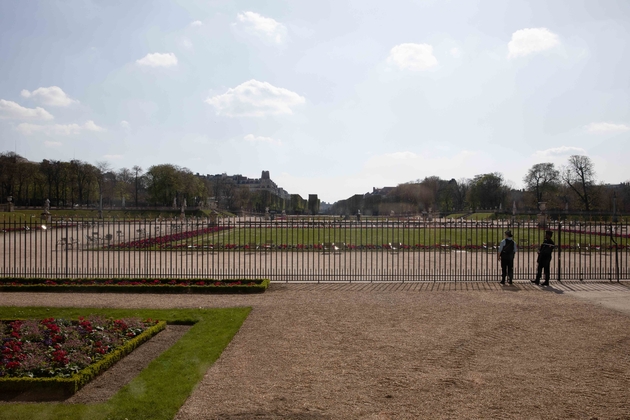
61,356
164,240
159,390
133,285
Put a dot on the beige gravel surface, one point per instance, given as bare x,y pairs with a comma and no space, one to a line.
415,350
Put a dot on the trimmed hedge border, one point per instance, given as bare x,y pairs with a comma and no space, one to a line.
133,285
69,386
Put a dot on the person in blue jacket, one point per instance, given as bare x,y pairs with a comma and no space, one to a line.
507,250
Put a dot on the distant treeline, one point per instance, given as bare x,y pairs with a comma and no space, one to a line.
572,186
81,184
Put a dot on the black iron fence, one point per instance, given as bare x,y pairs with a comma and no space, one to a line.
307,248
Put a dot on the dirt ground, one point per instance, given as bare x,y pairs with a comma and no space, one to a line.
414,350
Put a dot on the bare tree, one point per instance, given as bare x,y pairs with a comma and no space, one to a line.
125,182
579,175
82,173
137,172
541,180
461,192
101,169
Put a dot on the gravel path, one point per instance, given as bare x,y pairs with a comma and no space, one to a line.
391,351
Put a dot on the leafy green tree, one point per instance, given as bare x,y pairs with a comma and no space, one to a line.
488,191
163,184
542,180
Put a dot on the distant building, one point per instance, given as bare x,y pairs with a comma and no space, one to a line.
381,191
264,183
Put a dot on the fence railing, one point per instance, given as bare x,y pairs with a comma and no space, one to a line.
306,249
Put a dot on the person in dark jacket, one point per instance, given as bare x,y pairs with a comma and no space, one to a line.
544,258
507,250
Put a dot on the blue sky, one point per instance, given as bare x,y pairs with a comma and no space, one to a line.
332,97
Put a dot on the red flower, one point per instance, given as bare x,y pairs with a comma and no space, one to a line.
13,365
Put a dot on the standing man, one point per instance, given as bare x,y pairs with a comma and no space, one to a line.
507,250
544,258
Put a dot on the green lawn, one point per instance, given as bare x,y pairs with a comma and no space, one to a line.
158,391
455,215
380,236
480,216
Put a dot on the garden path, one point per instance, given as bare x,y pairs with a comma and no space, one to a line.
413,350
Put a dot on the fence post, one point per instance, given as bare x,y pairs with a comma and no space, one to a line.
67,239
612,239
559,250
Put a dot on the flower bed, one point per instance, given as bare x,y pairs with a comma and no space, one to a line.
63,355
134,285
162,241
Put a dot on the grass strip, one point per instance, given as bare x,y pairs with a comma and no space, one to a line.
159,390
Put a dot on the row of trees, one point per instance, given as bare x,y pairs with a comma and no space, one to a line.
573,186
81,184
77,183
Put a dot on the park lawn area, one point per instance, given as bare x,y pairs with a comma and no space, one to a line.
393,234
455,215
480,216
159,390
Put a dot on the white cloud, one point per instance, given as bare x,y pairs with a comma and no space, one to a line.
531,40
196,23
604,127
58,129
90,126
51,96
263,27
158,60
560,151
255,99
52,143
260,139
187,43
416,57
455,52
10,110
125,125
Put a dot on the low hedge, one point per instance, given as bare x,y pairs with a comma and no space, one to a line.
69,386
133,285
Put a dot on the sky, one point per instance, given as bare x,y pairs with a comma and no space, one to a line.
333,97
